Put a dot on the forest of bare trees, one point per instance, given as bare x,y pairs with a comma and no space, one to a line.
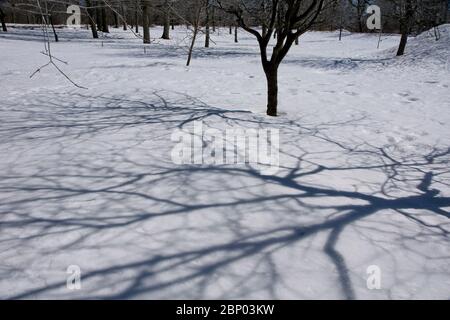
348,13
282,20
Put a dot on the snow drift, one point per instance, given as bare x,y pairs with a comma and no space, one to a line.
425,51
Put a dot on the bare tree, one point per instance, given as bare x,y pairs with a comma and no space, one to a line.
123,16
415,16
207,20
2,19
288,18
406,10
136,15
91,12
52,60
198,6
50,19
166,30
145,21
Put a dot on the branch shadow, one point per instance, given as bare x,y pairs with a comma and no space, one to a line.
86,173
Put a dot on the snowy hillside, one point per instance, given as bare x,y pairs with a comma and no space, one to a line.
87,179
425,51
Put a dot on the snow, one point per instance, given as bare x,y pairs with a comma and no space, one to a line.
87,178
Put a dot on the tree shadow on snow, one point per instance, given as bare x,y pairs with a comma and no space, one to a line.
93,173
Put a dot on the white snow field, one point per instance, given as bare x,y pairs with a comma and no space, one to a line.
86,176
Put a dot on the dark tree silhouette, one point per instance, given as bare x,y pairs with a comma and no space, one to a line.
2,20
91,13
166,31
288,19
406,20
145,21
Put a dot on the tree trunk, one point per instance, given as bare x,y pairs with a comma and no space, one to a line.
196,25
145,22
104,21
50,18
2,19
236,34
207,26
166,31
213,19
98,17
136,16
272,91
402,46
90,13
231,29
13,13
116,20
191,48
405,25
124,19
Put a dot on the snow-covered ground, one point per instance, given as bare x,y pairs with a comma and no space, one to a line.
86,176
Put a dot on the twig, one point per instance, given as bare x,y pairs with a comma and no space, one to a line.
47,47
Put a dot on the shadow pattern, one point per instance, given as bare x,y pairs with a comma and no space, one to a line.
88,180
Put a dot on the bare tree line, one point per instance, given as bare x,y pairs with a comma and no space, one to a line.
350,13
275,24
